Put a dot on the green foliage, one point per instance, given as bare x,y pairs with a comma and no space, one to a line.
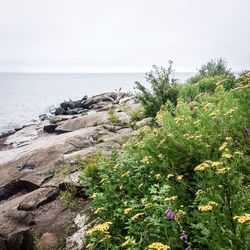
113,118
215,67
163,89
195,163
205,85
244,78
36,240
136,114
69,198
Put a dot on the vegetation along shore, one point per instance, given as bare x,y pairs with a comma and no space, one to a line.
165,168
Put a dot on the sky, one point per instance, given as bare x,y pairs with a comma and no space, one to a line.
122,35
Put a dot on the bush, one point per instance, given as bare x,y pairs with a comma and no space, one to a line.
215,67
183,184
163,89
205,85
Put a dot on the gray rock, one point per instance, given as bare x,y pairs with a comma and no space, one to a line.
60,111
49,128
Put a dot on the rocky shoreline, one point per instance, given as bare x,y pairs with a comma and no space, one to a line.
39,161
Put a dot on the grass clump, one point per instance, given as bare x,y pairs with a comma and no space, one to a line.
181,185
113,117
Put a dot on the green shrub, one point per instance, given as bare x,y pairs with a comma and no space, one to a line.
195,165
136,114
163,89
206,85
215,67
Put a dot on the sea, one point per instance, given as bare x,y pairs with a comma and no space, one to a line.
25,96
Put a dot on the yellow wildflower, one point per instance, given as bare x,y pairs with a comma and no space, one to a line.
190,137
179,177
199,192
136,216
170,176
170,198
158,246
213,114
228,138
160,156
229,112
223,147
148,205
238,153
198,137
198,122
222,170
140,185
90,245
107,236
179,213
125,174
198,96
212,203
145,160
104,227
227,156
205,208
216,163
128,241
157,176
178,119
208,207
202,166
102,180
243,218
93,196
127,210
116,166
98,210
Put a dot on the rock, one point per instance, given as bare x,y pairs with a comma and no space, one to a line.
64,105
77,240
84,98
49,241
88,120
144,122
87,103
43,117
75,104
38,198
74,111
60,118
49,128
20,241
60,111
22,137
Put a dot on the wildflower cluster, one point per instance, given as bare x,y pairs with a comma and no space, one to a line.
103,228
243,218
158,246
184,182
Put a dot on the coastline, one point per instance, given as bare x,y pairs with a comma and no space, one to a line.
39,162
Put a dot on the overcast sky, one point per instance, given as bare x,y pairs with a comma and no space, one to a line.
122,35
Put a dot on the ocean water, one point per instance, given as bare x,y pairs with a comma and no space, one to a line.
23,97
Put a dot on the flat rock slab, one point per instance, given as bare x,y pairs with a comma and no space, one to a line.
38,198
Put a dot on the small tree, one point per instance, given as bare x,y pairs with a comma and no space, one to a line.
215,67
163,89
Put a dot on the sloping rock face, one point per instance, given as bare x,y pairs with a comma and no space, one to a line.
37,163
